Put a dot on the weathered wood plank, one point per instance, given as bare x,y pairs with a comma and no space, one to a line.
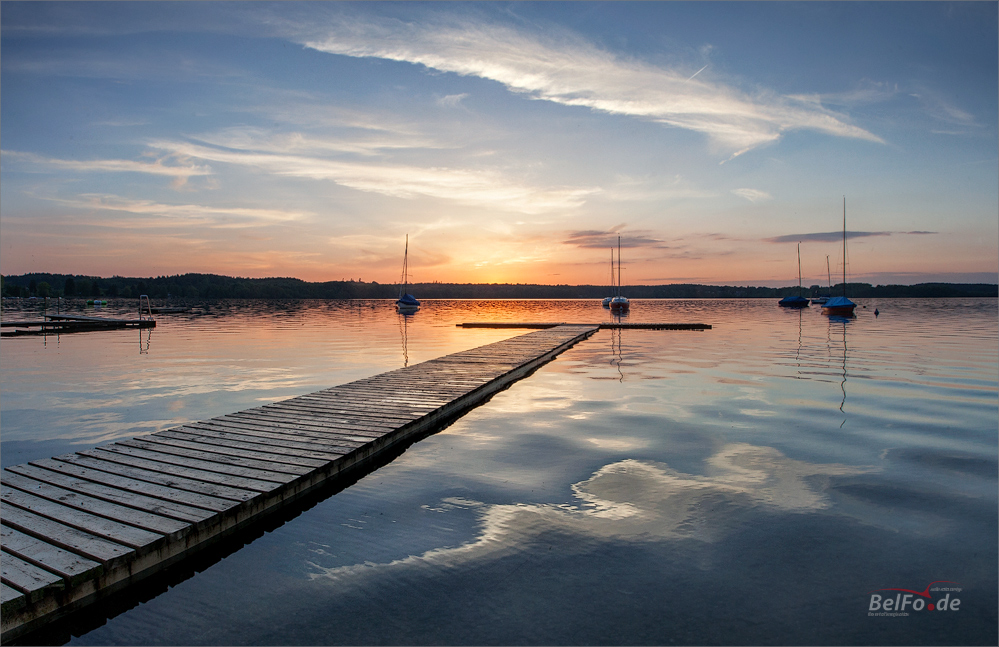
311,407
318,435
264,445
29,579
322,414
202,503
221,454
72,539
316,423
68,565
90,523
279,456
138,518
156,506
168,479
11,599
301,426
186,467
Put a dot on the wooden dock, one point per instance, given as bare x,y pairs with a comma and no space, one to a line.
611,325
78,527
58,324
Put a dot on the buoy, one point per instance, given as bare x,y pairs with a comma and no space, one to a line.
876,313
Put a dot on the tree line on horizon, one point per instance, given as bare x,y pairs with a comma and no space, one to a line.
214,286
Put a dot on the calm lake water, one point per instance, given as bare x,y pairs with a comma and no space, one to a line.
750,484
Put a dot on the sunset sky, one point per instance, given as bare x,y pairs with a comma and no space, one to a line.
512,142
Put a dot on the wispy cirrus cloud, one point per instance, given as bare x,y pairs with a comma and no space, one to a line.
480,187
178,170
565,69
753,195
367,142
833,236
452,100
155,214
592,239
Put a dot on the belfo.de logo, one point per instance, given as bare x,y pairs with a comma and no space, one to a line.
907,600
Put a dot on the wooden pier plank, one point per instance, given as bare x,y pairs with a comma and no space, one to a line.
277,465
302,425
138,518
72,539
96,525
11,600
207,471
267,416
333,436
161,507
168,478
266,445
67,565
30,580
128,486
280,458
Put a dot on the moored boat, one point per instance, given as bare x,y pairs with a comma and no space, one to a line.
606,302
619,304
822,298
406,303
841,306
795,301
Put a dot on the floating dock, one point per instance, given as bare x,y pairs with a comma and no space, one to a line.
613,325
58,324
78,527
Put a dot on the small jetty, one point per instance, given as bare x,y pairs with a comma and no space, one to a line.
58,324
78,527
614,325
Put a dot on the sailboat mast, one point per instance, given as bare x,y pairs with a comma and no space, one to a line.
844,245
799,269
618,266
405,269
828,274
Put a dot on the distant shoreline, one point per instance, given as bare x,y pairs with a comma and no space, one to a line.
214,286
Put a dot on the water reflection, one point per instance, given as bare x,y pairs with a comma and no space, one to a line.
617,353
841,322
640,501
404,332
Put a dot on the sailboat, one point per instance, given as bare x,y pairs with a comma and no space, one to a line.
841,305
822,298
798,301
406,303
606,302
619,304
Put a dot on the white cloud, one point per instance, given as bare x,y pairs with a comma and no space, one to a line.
158,167
483,187
753,195
452,100
158,214
572,72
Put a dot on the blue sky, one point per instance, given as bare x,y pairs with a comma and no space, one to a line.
510,141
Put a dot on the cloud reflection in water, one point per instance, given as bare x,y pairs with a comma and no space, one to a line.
640,501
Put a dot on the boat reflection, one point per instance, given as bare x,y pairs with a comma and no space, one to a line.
839,323
617,355
404,332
